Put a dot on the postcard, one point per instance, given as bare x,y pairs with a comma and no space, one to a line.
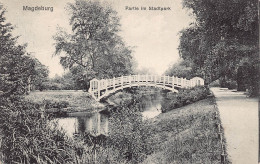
129,81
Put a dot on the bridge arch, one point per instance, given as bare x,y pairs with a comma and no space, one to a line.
104,87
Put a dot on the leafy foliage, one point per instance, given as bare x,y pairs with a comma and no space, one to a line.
39,76
184,97
182,68
127,133
64,82
223,38
94,49
17,68
27,136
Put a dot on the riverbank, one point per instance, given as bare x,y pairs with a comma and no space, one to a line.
65,100
183,135
186,135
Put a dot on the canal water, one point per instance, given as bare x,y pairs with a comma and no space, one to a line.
98,123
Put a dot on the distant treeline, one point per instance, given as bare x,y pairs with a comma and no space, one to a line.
64,82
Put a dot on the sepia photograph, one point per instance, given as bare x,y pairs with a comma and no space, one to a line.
129,82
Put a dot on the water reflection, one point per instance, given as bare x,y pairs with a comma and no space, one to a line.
98,123
151,105
95,124
152,111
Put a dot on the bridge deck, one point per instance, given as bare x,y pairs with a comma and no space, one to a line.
102,88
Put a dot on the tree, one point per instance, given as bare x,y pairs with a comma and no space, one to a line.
15,65
64,82
94,49
39,75
145,71
18,69
182,68
224,36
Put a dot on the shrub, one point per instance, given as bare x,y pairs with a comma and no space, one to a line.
184,97
215,83
27,136
53,104
127,133
231,84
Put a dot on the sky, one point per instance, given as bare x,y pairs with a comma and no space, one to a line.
152,34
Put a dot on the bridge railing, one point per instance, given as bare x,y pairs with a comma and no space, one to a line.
103,87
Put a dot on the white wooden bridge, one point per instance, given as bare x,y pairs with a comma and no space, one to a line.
104,87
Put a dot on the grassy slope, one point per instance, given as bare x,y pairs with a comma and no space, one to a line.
78,100
186,135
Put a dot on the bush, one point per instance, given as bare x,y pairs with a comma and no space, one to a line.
48,104
231,84
52,86
27,136
215,83
184,97
127,133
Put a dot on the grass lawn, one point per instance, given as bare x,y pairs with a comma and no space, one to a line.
78,100
185,135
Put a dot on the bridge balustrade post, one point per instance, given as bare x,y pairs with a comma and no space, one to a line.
130,80
168,80
193,83
90,87
163,81
122,81
138,79
98,89
172,82
114,83
146,80
106,82
155,80
188,83
100,84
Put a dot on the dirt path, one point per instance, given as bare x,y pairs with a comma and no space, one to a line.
239,116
